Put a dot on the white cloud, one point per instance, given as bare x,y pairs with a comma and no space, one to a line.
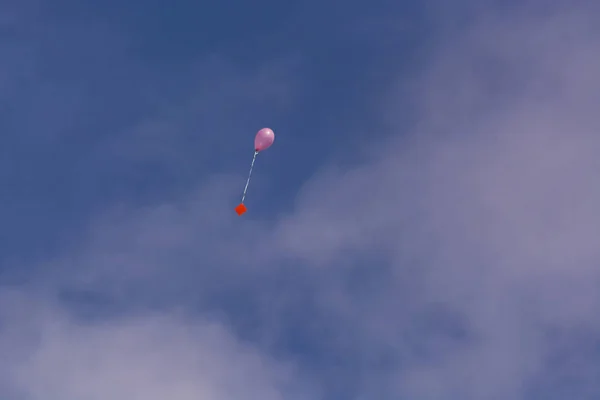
47,354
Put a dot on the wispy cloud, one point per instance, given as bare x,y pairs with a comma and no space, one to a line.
49,355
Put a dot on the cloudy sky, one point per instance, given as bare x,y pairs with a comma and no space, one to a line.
426,225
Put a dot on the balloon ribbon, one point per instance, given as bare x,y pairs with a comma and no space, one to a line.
241,208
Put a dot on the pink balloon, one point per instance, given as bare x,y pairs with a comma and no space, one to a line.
264,139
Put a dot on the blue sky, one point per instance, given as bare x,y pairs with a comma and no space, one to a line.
99,73
424,227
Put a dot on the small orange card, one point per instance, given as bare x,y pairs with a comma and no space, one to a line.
241,209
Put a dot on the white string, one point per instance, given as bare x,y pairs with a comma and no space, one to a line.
249,175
